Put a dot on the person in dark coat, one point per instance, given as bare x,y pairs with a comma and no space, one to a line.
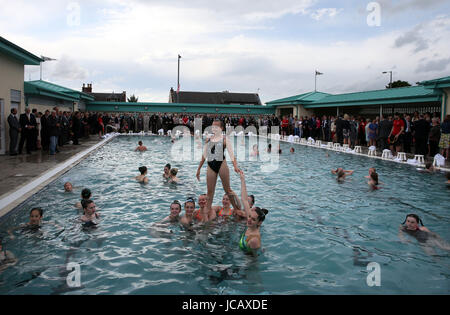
14,130
421,129
27,123
45,138
54,125
76,128
384,128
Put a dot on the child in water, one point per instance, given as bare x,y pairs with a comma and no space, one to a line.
7,258
173,176
68,187
90,217
143,177
341,174
36,215
141,147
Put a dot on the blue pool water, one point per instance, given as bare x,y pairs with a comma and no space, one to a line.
317,239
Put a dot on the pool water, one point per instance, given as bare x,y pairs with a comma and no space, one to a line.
318,237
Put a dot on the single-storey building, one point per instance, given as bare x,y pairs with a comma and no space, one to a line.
429,96
12,61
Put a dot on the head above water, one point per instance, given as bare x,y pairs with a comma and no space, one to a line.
140,142
68,187
143,170
174,171
175,208
251,200
36,215
412,221
86,193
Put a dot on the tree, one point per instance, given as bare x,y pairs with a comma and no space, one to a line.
132,99
398,84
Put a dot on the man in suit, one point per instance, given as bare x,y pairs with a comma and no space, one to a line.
421,129
28,124
14,130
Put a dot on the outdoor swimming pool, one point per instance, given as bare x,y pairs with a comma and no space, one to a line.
317,239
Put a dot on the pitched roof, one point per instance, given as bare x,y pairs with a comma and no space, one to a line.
40,87
18,53
387,96
437,83
299,99
214,98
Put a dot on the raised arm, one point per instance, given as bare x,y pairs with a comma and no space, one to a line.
244,195
231,153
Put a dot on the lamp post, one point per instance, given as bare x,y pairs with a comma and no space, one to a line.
178,86
390,84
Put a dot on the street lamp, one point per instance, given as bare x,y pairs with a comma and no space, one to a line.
390,84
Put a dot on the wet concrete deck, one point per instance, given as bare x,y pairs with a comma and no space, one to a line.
17,171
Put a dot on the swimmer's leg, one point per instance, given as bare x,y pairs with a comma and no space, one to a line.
224,174
440,243
211,180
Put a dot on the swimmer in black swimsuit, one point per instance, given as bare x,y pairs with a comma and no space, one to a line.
217,165
411,227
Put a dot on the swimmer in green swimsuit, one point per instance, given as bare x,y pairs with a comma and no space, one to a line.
251,238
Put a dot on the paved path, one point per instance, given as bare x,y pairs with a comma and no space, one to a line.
17,171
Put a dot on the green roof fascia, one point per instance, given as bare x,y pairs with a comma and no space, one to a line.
436,98
30,89
18,53
179,107
437,83
299,99
59,90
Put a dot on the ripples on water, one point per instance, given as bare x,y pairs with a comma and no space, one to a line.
318,237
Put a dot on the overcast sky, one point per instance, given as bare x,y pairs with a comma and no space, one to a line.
273,47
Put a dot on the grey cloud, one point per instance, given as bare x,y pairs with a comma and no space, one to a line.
412,37
434,65
67,68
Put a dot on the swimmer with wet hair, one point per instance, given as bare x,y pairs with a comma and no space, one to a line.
250,240
424,236
373,182
292,150
429,168
202,214
36,215
341,174
447,175
143,177
167,168
189,207
85,195
255,151
7,258
68,187
269,148
141,147
175,210
226,210
173,176
90,217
